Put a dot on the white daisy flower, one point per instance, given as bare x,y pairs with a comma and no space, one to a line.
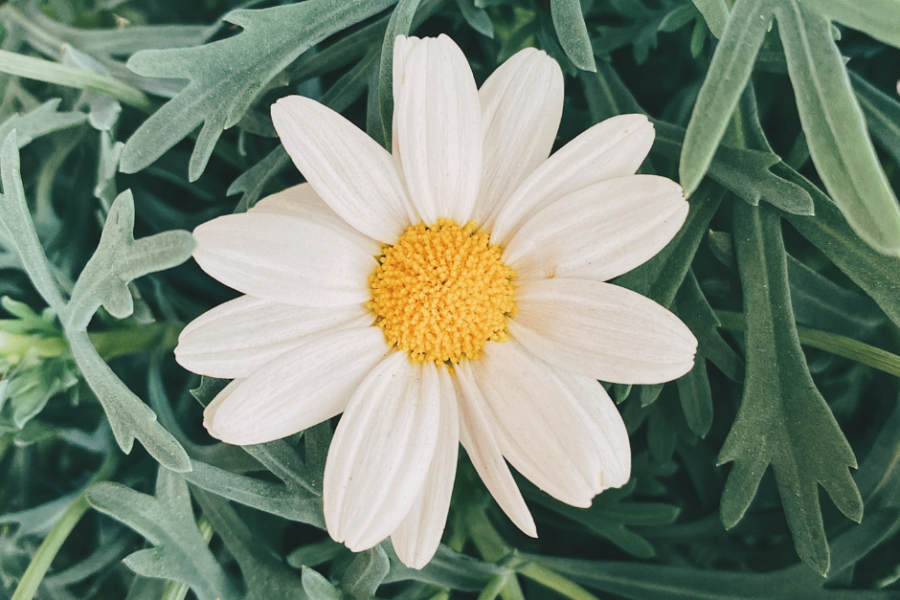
451,292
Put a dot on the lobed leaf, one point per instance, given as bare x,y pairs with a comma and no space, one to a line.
783,420
227,75
179,551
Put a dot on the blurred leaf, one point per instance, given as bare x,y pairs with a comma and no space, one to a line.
317,587
219,93
611,517
476,17
365,574
40,121
179,551
448,569
715,13
572,32
882,115
783,419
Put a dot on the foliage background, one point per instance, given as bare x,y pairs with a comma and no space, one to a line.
146,118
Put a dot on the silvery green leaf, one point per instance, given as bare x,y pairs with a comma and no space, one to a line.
179,551
40,121
365,574
118,260
882,115
266,577
715,13
476,17
219,93
572,32
319,588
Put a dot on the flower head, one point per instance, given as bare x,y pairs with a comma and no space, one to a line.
453,291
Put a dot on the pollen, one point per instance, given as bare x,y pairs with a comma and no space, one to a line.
442,292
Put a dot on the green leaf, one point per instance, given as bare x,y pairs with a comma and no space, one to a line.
878,18
317,587
267,578
835,128
572,33
227,75
179,551
725,81
17,228
365,574
878,275
783,419
611,517
476,17
448,569
40,121
118,260
882,115
715,13
262,495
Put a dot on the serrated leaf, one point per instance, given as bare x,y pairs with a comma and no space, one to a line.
118,260
40,121
227,75
180,553
572,33
783,420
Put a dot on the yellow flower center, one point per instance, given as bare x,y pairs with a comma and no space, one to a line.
442,292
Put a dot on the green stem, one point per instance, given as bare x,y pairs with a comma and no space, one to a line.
82,79
556,582
48,549
178,591
838,345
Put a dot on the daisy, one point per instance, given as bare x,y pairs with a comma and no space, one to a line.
451,292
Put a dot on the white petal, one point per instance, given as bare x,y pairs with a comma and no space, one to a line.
303,202
286,259
352,173
213,407
602,419
300,389
379,458
439,135
238,337
602,331
521,106
535,424
614,148
402,47
478,439
600,231
419,535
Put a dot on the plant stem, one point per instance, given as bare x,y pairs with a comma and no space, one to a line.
838,345
556,582
48,549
